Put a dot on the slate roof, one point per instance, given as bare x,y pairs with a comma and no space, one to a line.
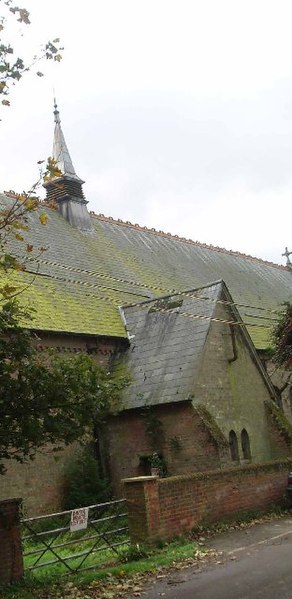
82,278
167,346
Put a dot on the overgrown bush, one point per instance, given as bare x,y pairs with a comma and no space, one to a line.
84,484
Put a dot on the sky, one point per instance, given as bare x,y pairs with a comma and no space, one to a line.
176,113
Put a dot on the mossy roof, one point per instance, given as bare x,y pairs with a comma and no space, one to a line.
81,279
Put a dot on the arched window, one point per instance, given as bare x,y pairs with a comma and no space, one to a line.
233,444
245,445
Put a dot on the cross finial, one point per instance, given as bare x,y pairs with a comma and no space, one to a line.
287,254
56,113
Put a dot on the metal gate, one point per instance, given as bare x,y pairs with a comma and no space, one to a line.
77,539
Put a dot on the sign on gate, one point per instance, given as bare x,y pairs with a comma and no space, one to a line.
79,519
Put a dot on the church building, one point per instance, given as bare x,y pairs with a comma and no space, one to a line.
191,323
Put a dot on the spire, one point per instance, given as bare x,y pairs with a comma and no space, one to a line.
65,189
60,151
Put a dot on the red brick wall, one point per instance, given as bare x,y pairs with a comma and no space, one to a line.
182,502
40,482
185,443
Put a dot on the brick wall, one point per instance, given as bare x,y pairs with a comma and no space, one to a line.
173,506
101,349
11,563
185,443
39,482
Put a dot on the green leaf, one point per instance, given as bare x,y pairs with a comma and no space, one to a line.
43,218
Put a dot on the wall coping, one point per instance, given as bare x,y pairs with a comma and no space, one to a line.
11,500
280,464
140,479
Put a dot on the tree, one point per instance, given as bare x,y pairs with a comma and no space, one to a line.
282,338
14,218
46,398
282,349
12,68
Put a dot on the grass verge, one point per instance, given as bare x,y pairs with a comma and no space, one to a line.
124,574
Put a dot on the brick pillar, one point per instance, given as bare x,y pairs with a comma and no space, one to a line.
11,562
144,510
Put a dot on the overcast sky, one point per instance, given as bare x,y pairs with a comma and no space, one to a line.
177,114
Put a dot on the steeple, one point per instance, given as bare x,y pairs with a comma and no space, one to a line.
66,188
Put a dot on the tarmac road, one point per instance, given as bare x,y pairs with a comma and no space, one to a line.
253,563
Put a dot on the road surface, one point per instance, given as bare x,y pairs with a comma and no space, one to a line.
252,563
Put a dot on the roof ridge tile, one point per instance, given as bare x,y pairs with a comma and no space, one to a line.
160,233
